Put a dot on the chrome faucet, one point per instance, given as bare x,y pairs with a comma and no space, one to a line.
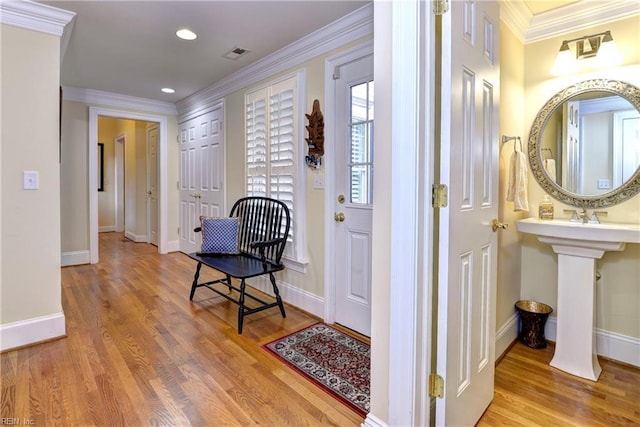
583,216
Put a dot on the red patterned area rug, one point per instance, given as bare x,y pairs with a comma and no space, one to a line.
336,362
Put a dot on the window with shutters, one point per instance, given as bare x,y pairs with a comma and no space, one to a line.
273,139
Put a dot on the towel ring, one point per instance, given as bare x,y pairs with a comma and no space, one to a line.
506,139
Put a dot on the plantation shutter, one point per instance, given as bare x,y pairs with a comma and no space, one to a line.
256,125
271,146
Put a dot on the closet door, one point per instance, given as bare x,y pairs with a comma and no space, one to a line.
201,182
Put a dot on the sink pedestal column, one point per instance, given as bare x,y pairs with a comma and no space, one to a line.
575,350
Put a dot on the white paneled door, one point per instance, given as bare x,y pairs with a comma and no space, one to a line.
201,185
354,194
467,245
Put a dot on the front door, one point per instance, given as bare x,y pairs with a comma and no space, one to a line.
354,194
201,174
468,246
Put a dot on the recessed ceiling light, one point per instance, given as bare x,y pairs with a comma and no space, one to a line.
186,34
167,90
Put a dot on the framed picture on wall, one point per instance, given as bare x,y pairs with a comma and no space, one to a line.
100,166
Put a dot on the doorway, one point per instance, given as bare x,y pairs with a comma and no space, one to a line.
162,237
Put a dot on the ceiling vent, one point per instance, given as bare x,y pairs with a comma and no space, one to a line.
236,53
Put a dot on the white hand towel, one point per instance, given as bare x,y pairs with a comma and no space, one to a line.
550,167
518,181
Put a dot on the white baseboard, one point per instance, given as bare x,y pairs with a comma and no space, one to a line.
173,246
506,335
138,238
75,258
373,421
290,294
32,331
608,344
106,228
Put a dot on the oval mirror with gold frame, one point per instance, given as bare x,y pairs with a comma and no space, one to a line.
563,147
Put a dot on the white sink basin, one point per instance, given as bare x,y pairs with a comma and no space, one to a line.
564,229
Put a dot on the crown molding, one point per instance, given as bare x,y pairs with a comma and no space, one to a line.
578,16
516,16
97,97
347,29
35,16
529,28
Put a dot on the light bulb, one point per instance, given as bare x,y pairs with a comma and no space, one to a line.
565,62
608,54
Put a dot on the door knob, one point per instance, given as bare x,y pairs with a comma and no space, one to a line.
495,225
149,193
339,217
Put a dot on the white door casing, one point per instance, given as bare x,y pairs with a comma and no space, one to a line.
152,185
353,204
201,184
468,245
119,143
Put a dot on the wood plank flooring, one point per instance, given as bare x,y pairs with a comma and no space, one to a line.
529,392
139,353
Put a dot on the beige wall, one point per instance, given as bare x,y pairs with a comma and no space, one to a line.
29,141
618,292
107,133
512,70
74,193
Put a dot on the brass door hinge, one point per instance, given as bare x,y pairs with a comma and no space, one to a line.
440,7
436,386
439,196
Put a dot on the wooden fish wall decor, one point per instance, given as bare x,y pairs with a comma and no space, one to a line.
315,141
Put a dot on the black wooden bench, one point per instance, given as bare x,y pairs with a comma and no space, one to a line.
263,227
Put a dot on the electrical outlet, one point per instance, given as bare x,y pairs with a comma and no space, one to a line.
603,184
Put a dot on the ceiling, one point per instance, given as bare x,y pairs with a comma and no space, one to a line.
130,47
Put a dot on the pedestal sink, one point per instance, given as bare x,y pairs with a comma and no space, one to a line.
578,245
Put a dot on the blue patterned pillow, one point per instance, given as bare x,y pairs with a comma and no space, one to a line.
219,235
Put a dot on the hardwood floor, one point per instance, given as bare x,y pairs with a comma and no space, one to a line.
529,392
139,353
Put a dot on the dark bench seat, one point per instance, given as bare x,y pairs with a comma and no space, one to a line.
263,229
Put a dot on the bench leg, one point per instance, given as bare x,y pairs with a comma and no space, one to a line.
241,306
195,281
277,294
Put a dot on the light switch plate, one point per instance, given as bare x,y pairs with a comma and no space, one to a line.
30,179
318,181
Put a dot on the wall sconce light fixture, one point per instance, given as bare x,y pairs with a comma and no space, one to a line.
600,47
